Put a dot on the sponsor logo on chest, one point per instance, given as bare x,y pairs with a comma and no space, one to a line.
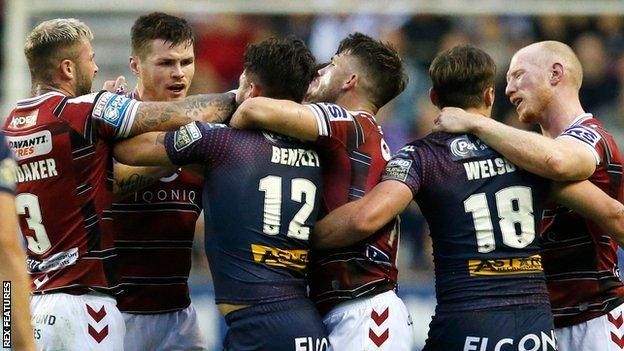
31,145
20,122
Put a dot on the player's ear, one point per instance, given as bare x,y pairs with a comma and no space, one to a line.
556,73
351,82
68,69
255,90
134,65
433,96
488,97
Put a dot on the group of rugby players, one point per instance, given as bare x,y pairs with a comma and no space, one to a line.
108,187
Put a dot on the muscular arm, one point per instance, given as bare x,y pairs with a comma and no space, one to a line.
147,149
13,269
281,116
162,116
357,220
593,204
561,159
129,179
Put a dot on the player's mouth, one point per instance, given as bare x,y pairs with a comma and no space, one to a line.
176,88
516,101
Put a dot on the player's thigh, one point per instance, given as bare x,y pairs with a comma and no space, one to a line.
604,333
381,322
77,322
519,328
291,325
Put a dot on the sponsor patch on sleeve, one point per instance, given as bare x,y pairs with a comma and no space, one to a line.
335,112
584,134
111,108
397,169
186,136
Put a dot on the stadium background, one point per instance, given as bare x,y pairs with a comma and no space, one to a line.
418,28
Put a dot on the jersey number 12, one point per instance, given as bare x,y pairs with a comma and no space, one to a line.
272,188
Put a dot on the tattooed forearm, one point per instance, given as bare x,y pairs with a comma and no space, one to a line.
130,179
154,116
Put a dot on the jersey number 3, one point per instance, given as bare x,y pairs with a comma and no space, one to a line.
272,188
516,221
40,243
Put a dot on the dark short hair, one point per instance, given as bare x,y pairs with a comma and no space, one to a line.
380,63
460,75
158,25
283,67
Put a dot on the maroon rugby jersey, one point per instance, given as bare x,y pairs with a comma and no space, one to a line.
64,186
579,257
353,154
154,230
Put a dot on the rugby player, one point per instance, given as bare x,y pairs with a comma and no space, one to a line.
580,260
62,141
154,227
12,271
483,212
353,287
263,192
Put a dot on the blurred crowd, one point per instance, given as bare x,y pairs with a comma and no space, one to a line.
598,41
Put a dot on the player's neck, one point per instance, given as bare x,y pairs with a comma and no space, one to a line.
141,94
559,115
484,111
354,104
42,88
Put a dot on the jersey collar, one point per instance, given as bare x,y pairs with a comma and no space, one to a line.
37,99
581,118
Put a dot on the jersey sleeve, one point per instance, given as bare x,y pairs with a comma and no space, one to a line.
7,167
336,123
99,115
197,143
588,137
405,167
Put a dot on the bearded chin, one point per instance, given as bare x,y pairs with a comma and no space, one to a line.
83,87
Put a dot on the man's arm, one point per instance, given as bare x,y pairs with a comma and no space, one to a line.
13,269
357,220
147,149
281,116
162,116
561,159
129,179
594,204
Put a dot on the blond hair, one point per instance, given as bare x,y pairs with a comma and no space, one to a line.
52,41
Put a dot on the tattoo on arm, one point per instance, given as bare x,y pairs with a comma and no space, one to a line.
153,116
131,183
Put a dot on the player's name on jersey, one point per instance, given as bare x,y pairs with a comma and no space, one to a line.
36,170
488,168
295,157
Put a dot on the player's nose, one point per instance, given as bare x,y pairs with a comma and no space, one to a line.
510,88
177,71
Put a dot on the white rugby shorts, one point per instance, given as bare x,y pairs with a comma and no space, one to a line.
77,322
177,330
604,333
379,322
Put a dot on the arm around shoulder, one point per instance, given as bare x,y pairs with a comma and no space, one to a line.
281,116
357,220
